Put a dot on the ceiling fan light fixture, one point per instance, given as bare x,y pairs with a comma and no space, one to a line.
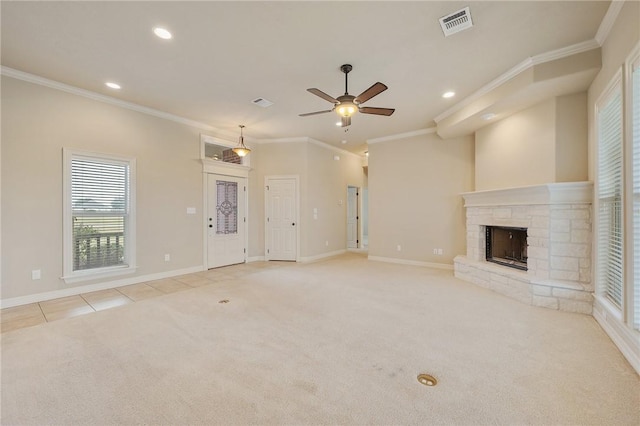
346,109
347,105
241,149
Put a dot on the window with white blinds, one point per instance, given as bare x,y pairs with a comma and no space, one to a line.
610,227
635,120
98,213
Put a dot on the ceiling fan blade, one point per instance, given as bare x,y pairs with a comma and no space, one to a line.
323,95
346,121
314,113
377,111
372,91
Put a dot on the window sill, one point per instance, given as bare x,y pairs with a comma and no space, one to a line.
96,274
612,310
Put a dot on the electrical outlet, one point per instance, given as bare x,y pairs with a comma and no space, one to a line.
326,243
35,274
439,252
435,251
399,248
167,257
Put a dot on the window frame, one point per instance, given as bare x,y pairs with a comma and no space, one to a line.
69,275
632,316
615,84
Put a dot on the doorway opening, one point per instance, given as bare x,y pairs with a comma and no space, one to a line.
353,217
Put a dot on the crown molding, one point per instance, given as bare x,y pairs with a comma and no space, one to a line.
607,22
405,135
553,55
298,139
333,148
35,79
306,139
565,52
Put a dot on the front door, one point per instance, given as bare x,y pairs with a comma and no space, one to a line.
225,220
281,236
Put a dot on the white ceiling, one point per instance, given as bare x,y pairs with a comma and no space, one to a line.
225,54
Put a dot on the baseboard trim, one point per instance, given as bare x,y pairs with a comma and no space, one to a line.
255,259
358,250
444,266
73,291
621,336
322,256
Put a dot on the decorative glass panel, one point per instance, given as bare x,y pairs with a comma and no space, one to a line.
227,207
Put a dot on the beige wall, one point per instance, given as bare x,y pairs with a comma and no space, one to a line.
545,143
273,159
37,122
323,183
327,188
571,138
517,151
414,197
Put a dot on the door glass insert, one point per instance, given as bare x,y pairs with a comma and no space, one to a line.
227,207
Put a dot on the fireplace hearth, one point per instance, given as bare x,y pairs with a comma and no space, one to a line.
507,246
555,240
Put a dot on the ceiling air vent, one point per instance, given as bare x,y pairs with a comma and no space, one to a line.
264,103
456,22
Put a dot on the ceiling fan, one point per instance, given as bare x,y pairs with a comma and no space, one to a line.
346,105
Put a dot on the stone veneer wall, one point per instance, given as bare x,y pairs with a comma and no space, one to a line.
558,222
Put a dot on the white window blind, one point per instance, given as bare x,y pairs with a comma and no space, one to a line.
610,227
100,212
635,83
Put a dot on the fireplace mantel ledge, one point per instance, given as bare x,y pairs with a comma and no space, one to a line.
547,194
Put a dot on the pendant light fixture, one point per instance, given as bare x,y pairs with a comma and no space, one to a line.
241,149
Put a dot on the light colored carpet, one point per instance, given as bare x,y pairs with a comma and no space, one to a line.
334,342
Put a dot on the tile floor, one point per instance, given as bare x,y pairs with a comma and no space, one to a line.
71,306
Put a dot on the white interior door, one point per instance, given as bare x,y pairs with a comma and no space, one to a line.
226,204
352,217
281,199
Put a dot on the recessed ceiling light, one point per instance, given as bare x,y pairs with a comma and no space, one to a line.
488,116
448,94
162,33
112,85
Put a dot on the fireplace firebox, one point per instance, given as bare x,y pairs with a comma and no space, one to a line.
507,246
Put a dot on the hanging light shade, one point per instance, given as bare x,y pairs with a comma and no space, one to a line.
241,149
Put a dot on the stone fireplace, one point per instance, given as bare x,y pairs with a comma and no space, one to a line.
556,219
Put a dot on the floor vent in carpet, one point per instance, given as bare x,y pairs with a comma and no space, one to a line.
427,380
